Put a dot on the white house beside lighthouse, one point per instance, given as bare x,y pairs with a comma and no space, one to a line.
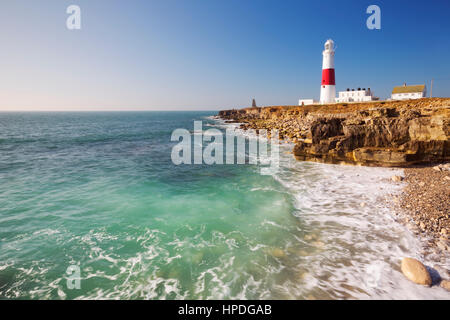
409,92
328,87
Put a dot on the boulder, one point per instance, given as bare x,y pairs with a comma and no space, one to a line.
415,271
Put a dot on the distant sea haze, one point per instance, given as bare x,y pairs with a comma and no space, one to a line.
98,190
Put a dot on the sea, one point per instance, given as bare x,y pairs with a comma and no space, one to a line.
93,207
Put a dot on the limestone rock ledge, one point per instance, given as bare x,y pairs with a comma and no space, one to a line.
393,134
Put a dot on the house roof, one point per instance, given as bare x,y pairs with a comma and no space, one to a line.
409,89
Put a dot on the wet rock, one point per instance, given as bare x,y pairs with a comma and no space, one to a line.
277,253
303,253
303,275
397,178
174,274
415,271
442,245
445,284
318,244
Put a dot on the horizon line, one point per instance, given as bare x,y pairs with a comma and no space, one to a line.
110,110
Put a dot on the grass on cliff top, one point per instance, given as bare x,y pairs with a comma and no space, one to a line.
351,107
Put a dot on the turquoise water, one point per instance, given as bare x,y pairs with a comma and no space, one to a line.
99,191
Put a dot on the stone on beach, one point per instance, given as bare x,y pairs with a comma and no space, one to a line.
445,284
415,271
422,226
442,167
442,245
396,178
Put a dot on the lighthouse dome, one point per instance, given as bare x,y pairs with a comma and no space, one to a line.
329,44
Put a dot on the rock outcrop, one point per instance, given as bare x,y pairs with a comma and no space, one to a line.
395,133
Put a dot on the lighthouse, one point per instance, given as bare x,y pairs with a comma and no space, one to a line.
328,88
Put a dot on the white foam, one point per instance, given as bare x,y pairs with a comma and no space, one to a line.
362,242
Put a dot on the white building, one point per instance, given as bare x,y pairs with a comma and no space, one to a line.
409,92
305,102
358,95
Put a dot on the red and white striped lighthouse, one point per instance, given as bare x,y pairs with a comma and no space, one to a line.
328,88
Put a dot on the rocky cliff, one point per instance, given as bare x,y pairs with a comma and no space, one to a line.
394,133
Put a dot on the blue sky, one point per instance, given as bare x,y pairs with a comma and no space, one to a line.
212,54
